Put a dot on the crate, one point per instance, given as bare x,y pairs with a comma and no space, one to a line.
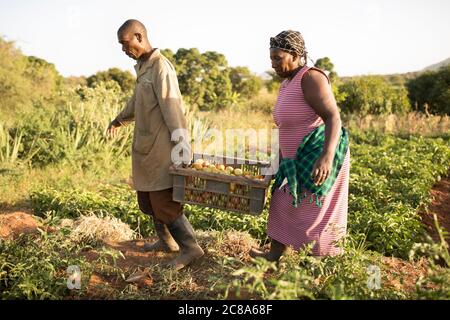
225,192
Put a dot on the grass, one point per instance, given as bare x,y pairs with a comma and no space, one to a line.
94,229
16,183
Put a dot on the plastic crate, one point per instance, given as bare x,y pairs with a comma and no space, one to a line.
226,192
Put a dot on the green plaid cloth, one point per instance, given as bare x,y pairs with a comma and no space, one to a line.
298,171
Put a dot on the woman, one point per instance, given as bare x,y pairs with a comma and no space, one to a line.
306,112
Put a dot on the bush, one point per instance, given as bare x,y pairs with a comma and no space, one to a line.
246,84
373,95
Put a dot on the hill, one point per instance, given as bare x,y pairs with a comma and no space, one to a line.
399,79
437,66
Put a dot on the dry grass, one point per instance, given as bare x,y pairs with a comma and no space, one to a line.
256,113
232,243
411,123
237,119
255,119
146,275
263,102
93,229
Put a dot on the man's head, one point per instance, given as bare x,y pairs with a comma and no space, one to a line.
287,52
132,35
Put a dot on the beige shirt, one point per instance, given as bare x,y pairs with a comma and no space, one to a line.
157,109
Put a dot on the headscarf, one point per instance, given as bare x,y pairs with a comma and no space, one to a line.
289,41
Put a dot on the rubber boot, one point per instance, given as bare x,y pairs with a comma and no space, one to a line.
276,251
184,235
165,242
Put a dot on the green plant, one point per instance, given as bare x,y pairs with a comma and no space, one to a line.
33,267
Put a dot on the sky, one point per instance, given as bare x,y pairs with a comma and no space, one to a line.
360,37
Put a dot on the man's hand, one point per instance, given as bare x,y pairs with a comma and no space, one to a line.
113,129
322,169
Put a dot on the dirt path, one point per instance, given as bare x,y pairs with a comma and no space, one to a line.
441,207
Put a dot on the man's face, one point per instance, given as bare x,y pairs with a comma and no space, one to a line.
282,62
131,44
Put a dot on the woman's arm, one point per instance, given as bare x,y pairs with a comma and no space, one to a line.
318,93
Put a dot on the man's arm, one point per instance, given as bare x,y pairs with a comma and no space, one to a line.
127,113
172,109
124,117
170,100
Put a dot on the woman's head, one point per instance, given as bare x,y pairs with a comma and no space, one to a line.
287,52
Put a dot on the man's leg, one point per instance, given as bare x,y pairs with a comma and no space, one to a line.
165,241
171,213
184,235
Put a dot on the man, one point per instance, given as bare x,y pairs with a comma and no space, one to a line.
157,109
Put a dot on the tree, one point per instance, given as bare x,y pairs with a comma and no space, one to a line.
218,91
204,78
430,92
73,81
124,79
169,55
189,66
43,74
24,80
326,65
13,87
273,84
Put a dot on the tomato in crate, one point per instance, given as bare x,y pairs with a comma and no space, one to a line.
224,183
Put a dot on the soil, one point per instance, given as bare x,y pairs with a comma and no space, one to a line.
441,207
15,223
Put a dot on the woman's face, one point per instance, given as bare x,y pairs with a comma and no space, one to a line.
283,63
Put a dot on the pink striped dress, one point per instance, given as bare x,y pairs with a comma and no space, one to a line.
297,227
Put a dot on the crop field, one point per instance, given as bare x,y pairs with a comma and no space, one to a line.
392,178
71,228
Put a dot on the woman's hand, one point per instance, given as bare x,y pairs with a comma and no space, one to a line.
322,169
